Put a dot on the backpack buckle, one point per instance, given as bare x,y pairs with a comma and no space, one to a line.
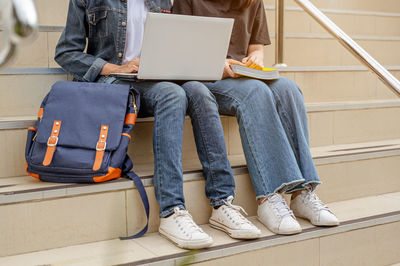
103,144
52,144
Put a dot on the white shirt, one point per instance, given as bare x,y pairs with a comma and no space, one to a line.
136,16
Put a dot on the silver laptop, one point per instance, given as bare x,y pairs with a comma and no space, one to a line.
178,47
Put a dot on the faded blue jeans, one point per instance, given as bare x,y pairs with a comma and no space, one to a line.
169,103
274,131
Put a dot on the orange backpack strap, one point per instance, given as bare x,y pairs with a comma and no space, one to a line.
52,143
130,119
40,113
100,147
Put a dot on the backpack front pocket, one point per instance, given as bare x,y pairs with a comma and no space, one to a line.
68,160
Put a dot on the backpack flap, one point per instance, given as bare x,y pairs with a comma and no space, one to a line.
82,124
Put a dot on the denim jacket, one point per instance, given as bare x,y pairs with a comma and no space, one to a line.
101,25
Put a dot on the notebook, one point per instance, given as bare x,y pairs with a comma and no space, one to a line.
256,72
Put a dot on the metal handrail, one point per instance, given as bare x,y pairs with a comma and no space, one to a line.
20,22
279,36
362,55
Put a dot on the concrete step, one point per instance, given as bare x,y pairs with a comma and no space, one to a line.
40,215
333,84
330,124
316,50
22,94
365,19
22,90
389,6
340,162
38,53
52,13
362,219
376,30
323,50
353,22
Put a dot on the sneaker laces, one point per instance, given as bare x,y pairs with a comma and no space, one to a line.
316,203
186,221
279,204
234,211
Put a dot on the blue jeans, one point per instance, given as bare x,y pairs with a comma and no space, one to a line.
274,131
168,103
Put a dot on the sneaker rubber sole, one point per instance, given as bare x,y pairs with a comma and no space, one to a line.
234,233
187,244
334,223
278,232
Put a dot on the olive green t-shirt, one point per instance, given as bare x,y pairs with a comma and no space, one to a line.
250,25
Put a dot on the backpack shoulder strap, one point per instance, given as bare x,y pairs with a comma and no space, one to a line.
142,192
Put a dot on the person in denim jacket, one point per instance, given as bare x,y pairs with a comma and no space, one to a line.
111,32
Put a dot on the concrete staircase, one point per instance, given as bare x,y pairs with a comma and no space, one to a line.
355,139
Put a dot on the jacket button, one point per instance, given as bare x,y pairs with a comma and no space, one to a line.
123,24
119,55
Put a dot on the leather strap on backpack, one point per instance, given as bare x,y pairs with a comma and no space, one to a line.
100,147
130,119
52,143
40,113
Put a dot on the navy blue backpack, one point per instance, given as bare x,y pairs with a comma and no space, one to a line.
82,135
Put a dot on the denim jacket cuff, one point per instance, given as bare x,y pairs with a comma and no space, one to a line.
94,70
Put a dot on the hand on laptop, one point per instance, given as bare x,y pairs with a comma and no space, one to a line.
130,67
228,73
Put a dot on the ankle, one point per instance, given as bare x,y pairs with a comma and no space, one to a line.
261,200
295,194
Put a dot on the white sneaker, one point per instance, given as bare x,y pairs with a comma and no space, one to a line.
277,217
229,219
307,205
183,231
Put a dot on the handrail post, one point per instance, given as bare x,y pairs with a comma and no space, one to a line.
279,33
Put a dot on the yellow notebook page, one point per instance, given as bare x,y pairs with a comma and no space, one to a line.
257,67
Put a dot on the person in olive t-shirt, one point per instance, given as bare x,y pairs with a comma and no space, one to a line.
272,120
